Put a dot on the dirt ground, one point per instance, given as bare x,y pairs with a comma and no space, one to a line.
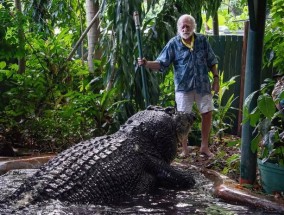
225,160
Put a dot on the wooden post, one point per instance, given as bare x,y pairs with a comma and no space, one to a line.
242,80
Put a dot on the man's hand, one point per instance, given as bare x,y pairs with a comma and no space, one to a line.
154,65
216,85
142,62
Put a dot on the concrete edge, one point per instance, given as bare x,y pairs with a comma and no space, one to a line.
23,163
227,189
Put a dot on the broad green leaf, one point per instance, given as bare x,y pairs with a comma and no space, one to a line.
266,105
254,117
249,99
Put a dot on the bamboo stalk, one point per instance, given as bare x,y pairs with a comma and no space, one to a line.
82,36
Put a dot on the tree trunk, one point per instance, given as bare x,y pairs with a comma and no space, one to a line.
21,37
97,33
215,24
90,13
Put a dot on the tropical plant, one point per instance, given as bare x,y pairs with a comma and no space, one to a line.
167,91
222,117
55,103
268,123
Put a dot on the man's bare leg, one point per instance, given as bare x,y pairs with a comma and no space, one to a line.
205,133
185,150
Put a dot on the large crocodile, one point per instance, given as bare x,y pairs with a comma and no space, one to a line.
107,169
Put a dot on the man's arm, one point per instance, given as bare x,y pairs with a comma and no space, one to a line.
154,65
215,84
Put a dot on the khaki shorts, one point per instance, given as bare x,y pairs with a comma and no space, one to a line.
185,101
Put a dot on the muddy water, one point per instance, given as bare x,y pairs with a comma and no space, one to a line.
195,201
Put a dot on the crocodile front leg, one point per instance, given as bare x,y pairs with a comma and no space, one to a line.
169,176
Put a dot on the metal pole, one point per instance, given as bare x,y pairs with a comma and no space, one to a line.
257,14
144,82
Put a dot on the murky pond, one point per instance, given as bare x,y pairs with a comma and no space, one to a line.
195,201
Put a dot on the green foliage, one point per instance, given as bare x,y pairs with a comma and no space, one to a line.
231,13
232,164
55,103
9,31
222,117
120,52
236,21
211,7
54,116
268,123
167,94
44,16
274,37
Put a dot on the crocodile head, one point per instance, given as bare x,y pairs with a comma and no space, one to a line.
184,121
181,124
160,128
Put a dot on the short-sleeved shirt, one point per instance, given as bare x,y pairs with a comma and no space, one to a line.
190,67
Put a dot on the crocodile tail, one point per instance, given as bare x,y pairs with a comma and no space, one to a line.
22,197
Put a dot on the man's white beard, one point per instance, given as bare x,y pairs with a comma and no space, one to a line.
186,36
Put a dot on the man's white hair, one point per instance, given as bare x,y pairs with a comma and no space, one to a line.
186,16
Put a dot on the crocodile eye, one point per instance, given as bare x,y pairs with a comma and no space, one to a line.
129,121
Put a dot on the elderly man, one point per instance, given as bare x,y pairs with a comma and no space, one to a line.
192,58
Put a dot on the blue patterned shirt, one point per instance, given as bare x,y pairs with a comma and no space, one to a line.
190,67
